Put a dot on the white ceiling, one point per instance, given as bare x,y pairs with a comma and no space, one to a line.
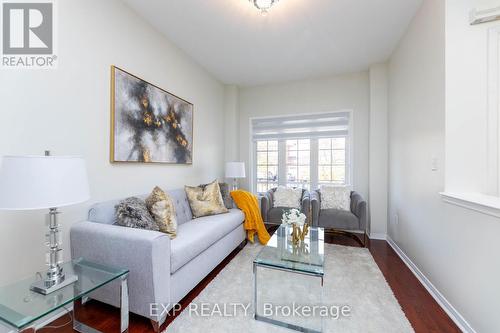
298,38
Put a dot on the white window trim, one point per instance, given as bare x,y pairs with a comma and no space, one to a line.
487,202
281,151
493,144
482,203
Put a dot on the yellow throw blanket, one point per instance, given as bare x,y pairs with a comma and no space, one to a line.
254,224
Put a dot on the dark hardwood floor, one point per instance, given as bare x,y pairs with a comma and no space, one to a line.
424,314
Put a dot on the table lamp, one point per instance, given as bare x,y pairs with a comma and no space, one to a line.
40,183
235,170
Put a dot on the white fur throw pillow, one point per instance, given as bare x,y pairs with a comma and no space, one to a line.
287,197
335,197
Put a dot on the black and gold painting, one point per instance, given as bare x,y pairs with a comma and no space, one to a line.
148,124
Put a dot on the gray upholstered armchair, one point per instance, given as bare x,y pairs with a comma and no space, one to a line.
272,215
341,221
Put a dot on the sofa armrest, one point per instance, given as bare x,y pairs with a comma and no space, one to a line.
266,203
315,207
146,254
306,204
359,208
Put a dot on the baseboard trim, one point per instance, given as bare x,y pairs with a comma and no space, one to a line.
377,236
453,313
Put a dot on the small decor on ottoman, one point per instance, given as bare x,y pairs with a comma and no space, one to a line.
162,209
297,221
205,200
133,213
287,197
335,197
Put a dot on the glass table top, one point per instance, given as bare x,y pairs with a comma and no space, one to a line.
280,253
20,307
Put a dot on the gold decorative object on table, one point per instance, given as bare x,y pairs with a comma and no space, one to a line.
297,221
298,233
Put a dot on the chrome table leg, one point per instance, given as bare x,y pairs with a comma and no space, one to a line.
77,324
124,311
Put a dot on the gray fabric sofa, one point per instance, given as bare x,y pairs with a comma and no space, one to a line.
162,271
341,221
272,215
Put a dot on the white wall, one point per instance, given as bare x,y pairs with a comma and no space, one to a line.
67,111
457,249
378,153
312,96
231,110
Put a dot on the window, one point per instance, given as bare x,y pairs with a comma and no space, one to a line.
267,165
302,151
298,163
332,161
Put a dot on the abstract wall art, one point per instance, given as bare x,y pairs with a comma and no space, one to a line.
148,124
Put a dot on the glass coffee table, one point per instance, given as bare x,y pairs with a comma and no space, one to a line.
23,310
288,277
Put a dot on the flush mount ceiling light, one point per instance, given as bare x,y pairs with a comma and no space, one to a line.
263,5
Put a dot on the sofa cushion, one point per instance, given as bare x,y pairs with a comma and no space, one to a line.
274,215
133,213
226,195
181,203
197,235
162,209
205,200
104,212
287,197
335,197
338,219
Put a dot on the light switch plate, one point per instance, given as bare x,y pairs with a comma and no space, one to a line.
434,164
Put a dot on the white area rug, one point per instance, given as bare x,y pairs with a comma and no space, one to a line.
352,278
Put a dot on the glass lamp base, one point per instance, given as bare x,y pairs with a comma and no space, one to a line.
46,287
234,186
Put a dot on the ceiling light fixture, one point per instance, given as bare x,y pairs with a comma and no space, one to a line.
263,5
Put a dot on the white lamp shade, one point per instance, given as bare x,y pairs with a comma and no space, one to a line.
42,182
235,170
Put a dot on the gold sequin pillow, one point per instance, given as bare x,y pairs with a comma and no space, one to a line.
162,209
205,199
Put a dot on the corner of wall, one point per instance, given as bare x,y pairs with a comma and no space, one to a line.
378,149
231,122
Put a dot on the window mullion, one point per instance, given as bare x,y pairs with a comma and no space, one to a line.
282,162
347,163
332,162
254,167
314,161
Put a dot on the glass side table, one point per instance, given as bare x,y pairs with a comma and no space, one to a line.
289,275
22,309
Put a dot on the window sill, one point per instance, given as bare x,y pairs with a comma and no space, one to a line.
482,203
